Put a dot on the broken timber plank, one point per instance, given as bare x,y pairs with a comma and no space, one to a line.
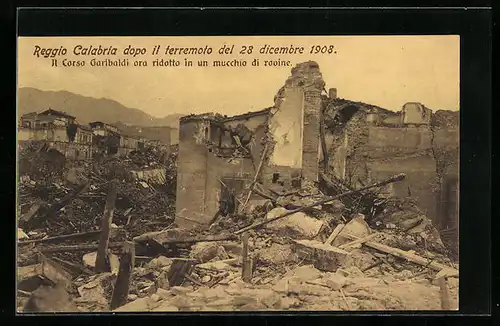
395,178
225,186
73,266
85,247
219,263
47,269
54,272
63,237
246,271
102,250
444,291
359,241
65,201
124,277
335,233
178,270
164,237
262,194
403,254
447,272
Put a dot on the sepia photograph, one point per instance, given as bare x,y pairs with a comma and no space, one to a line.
238,173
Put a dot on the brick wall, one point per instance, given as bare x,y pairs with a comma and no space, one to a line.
311,142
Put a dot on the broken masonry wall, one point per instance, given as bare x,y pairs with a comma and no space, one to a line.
208,155
446,143
294,125
404,150
416,113
363,153
236,172
311,141
57,134
191,172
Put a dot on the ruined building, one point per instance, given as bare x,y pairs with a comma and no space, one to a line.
307,133
366,144
58,131
217,151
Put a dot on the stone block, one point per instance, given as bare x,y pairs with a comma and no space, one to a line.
324,257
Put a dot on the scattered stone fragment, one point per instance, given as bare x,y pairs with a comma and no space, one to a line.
162,280
357,227
350,271
289,302
335,281
155,297
359,258
298,225
323,256
96,290
159,262
179,290
254,306
204,251
278,254
273,300
164,294
89,260
21,235
142,304
403,275
306,273
166,306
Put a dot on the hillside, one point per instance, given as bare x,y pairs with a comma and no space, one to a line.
88,109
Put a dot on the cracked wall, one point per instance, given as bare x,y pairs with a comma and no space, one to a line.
213,148
364,152
208,154
286,128
297,143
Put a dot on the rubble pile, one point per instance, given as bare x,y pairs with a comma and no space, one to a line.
52,204
305,261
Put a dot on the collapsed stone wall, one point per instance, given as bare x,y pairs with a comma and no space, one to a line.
361,152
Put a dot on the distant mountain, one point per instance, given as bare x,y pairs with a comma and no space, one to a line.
87,109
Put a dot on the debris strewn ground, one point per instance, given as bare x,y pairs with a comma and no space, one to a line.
334,258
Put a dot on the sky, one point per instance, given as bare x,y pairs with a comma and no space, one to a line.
386,71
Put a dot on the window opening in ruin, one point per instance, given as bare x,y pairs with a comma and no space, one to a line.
230,188
276,176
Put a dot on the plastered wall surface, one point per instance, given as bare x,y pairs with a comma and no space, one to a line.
191,174
286,128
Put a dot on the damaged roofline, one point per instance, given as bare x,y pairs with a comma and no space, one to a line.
213,117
